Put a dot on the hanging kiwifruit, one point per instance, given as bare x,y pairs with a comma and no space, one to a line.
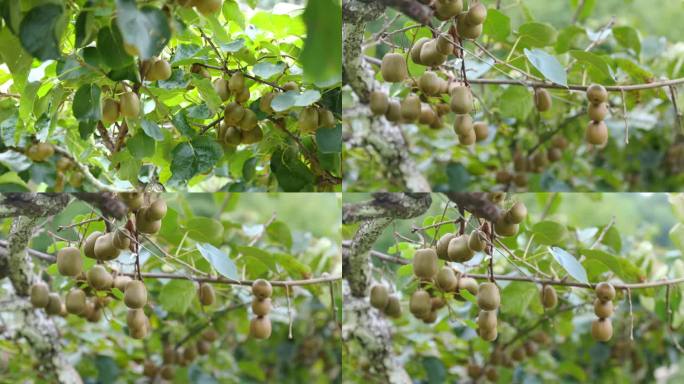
597,133
488,297
261,307
461,99
458,249
465,29
474,371
326,119
243,96
603,309
466,284
488,334
252,136
597,94
206,294
221,87
416,48
261,289
233,113
160,70
156,210
446,9
504,228
602,329
40,152
425,263
265,103
477,241
99,278
519,354
605,291
290,86
598,112
378,102
54,305
169,354
207,7
393,113
430,56
110,111
542,99
121,239
142,224
393,68
136,319
420,304
379,296
468,138
430,84
105,249
491,374
75,301
443,245
308,119
476,14
121,282
203,347
481,131
393,308
135,295
444,45
430,317
260,327
410,108
40,294
150,369
486,320
210,335
69,261
427,114
549,298
134,200
232,137
446,279
129,104
437,303
530,348
167,372
517,213
236,82
463,125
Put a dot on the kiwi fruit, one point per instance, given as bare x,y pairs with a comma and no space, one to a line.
134,200
135,295
290,86
210,335
260,327
463,125
76,179
393,113
605,291
446,9
549,298
69,261
602,329
486,320
437,303
265,103
519,354
420,304
520,181
64,164
40,152
554,154
326,119
425,263
136,319
143,225
597,94
444,45
410,108
443,246
156,210
110,111
221,88
530,348
150,369
54,305
105,249
503,177
252,136
519,162
597,133
488,297
461,99
121,282
468,139
190,353
429,83
121,239
308,119
603,309
232,137
393,68
542,99
465,29
203,347
491,374
206,294
446,279
476,14
167,372
160,70
88,310
474,371
481,131
236,83
488,334
541,338
129,104
517,213
233,113
393,308
261,307
207,7
468,284
99,278
430,56
40,294
379,103
430,317
416,48
427,114
379,296
559,142
262,289
598,112
477,241
504,228
458,249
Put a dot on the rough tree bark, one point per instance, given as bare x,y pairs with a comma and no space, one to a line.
362,128
364,324
39,330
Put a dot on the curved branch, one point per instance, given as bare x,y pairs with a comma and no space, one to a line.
13,204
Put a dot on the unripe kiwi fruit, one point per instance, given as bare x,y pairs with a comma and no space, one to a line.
189,353
64,164
233,113
488,297
443,246
503,177
429,83
517,213
105,249
134,200
461,99
260,327
468,139
54,305
410,108
207,7
169,355
597,94
519,354
465,29
605,291
559,142
597,133
99,278
542,338
549,298
393,113
88,310
486,320
76,179
236,82
446,279
379,296
206,294
488,334
458,249
602,329
430,56
603,309
446,9
476,241
75,301
476,14
160,70
430,317
530,348
427,114
40,151
437,303
463,125
150,369
210,335
554,154
261,307
444,46
232,137
136,319
326,119
135,295
378,102
121,239
203,347
474,371
262,289
110,111
416,48
290,86
121,282
265,102
393,308
129,104
252,136
481,131
420,304
167,372
520,180
542,99
308,119
491,374
393,68
221,88
40,294
425,263
156,210
69,261
142,224
598,112
504,228
467,284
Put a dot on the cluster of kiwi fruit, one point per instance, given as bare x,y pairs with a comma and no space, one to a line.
205,7
597,131
155,69
488,300
387,303
536,163
602,328
40,152
240,123
181,356
469,24
509,223
460,248
127,106
147,218
67,171
260,326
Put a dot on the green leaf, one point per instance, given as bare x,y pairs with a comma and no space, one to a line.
177,295
85,27
567,38
329,140
249,169
231,11
548,232
191,158
221,262
322,53
518,298
146,28
537,35
15,161
622,267
279,232
628,37
596,62
208,93
307,98
233,46
180,121
284,101
86,105
570,264
151,129
547,65
292,174
141,146
516,102
497,25
205,229
38,31
266,70
110,46
458,177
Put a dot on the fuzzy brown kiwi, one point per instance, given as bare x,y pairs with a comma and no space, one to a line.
134,200
150,369
308,119
488,297
463,125
393,68
110,111
430,317
420,304
40,152
265,103
442,247
530,348
430,56
554,154
99,278
156,210
461,99
326,119
541,337
488,334
444,45
468,284
503,177
519,354
503,227
129,104
458,249
597,133
233,113
75,301
236,82
520,181
261,307
476,241
69,261
410,108
465,29
517,213
597,112
379,296
167,372
232,137
105,249
210,335
602,329
393,308
136,319
208,7
378,102
603,309
446,9
54,305
160,70
492,374
474,371
243,96
168,354
121,282
486,320
64,164
252,136
203,347
290,86
548,296
142,224
76,179
542,99
425,263
427,114
262,289
206,294
221,87
446,279
393,113
260,327
481,131
476,14
429,83
121,239
437,303
135,295
605,291
416,48
597,94
40,294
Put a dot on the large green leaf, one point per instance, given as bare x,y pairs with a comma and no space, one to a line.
292,174
110,46
177,295
86,105
548,232
205,229
39,31
517,298
322,53
547,65
219,260
146,28
570,264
